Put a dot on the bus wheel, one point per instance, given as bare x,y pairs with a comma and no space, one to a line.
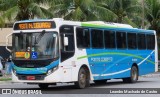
134,75
82,79
100,81
43,85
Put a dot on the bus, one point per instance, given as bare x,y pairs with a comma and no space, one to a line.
50,51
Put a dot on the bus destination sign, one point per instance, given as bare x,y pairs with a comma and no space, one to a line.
34,25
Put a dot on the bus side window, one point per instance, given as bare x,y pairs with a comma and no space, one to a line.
97,38
121,40
83,38
109,39
153,42
141,41
132,44
68,32
150,42
68,50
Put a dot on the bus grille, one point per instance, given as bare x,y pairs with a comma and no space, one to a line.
37,77
31,63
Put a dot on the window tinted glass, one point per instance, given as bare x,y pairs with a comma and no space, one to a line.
109,38
141,41
132,44
97,38
150,41
83,38
121,40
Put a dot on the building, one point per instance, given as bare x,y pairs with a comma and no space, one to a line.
3,33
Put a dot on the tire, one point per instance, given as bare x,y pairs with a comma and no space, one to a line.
133,77
43,85
100,81
83,79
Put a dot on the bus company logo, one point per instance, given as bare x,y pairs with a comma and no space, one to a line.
17,91
102,59
6,91
27,55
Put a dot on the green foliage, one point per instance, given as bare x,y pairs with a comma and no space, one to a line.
121,11
24,9
152,8
1,22
80,10
125,10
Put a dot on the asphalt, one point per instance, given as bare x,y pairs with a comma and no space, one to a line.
152,75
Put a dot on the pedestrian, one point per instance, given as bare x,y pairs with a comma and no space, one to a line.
8,66
1,66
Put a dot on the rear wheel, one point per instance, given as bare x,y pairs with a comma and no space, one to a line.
43,85
83,79
134,75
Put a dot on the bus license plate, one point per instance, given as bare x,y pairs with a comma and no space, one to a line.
31,78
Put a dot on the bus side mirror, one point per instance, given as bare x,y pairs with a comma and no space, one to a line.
65,41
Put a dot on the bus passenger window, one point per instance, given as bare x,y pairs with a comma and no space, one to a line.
97,39
83,38
121,40
109,38
141,41
132,44
150,42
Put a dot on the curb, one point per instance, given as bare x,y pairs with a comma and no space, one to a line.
5,79
152,75
3,82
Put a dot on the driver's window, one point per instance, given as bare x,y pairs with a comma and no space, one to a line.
67,50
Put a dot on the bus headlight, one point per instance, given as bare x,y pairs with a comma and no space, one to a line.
50,71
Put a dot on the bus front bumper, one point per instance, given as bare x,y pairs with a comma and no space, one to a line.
52,78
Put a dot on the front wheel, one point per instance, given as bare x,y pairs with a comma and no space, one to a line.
82,79
134,75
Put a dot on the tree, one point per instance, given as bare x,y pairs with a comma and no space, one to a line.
126,10
81,10
1,22
1,19
24,9
152,13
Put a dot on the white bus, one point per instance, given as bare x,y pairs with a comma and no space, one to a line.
46,52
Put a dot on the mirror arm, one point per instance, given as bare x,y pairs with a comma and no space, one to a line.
7,42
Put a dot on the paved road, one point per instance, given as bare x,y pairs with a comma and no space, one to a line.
151,81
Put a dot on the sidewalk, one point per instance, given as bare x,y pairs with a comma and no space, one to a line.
5,78
152,75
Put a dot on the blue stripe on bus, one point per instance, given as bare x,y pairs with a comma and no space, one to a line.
42,70
118,65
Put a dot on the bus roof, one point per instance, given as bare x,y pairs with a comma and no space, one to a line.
93,24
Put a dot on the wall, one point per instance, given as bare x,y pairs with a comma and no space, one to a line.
3,33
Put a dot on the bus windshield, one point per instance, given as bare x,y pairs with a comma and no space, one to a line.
38,45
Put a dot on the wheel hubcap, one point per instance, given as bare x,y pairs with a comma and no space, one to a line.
82,78
134,74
